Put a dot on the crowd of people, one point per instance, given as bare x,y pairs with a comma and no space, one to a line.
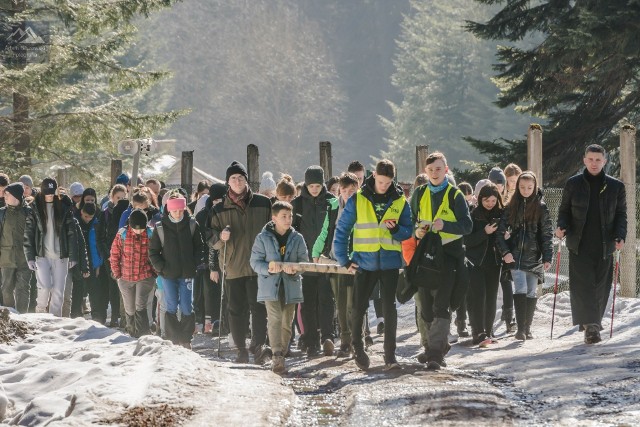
160,258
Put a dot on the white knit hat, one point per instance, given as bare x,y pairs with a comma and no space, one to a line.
267,183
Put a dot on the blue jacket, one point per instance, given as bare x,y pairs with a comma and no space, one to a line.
371,261
266,249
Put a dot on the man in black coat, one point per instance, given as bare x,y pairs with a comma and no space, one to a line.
593,217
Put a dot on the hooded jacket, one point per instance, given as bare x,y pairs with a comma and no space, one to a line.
266,249
182,252
309,214
530,243
381,259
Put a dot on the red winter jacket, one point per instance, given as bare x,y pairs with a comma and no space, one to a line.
130,256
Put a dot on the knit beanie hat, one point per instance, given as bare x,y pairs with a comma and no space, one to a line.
48,186
178,204
26,180
217,191
314,175
479,186
16,190
76,189
236,168
123,179
138,219
497,176
267,183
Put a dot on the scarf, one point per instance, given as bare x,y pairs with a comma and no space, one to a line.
239,199
435,189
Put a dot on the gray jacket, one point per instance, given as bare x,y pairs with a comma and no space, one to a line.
266,249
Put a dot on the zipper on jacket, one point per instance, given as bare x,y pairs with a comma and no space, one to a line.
524,232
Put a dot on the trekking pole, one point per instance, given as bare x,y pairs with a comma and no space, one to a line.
616,271
224,267
555,287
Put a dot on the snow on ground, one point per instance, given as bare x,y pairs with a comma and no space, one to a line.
76,372
564,381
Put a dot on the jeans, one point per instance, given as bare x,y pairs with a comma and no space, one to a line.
524,282
178,292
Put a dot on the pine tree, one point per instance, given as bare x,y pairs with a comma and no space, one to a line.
441,71
84,98
573,63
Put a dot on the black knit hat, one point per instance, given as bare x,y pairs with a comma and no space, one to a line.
16,190
48,186
138,219
217,191
236,167
314,175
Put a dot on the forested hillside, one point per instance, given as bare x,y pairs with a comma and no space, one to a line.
284,75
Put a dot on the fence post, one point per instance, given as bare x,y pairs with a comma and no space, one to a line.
116,170
253,167
326,158
628,176
534,151
186,171
422,151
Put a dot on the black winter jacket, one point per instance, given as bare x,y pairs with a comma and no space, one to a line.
481,247
34,236
309,214
531,244
572,213
182,252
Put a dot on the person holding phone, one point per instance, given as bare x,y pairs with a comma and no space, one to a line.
484,270
380,218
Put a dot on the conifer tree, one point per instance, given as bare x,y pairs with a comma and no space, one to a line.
84,98
573,63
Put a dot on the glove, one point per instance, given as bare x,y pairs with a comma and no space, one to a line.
32,265
72,264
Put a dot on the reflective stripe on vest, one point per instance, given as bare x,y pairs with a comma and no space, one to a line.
445,213
369,235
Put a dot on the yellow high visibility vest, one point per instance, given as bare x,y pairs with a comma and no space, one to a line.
369,235
445,213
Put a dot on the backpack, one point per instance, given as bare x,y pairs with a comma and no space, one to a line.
123,233
192,227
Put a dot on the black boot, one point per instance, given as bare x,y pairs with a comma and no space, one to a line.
172,327
187,326
141,322
531,309
507,316
520,305
131,329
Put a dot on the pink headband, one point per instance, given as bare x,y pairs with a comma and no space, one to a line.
176,204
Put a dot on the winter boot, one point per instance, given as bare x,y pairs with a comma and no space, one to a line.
507,317
141,322
462,328
131,328
345,350
327,347
277,363
520,304
243,356
362,359
187,326
531,309
172,327
438,340
592,333
262,354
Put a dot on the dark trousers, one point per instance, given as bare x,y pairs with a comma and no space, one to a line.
98,294
483,292
318,309
589,284
78,292
243,294
435,291
206,297
364,283
113,293
507,289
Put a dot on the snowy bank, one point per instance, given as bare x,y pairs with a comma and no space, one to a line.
76,372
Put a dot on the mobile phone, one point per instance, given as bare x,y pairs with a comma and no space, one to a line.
495,221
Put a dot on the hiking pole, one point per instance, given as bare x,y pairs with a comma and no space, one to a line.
616,271
555,287
224,267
